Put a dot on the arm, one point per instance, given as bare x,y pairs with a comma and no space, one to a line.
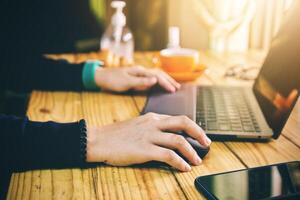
27,145
29,72
37,72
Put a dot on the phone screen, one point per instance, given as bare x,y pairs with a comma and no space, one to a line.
257,183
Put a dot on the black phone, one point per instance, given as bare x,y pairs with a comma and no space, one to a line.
280,181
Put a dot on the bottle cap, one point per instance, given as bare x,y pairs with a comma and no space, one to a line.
118,19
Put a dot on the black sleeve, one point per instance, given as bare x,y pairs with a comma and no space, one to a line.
23,73
27,145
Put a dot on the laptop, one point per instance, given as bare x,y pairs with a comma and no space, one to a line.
257,112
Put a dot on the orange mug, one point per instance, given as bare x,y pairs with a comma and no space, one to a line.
179,60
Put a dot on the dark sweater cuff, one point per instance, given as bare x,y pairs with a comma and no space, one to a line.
52,145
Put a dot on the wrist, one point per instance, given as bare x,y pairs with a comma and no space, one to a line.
100,77
89,144
94,145
89,74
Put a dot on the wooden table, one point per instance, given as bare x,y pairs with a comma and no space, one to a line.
134,183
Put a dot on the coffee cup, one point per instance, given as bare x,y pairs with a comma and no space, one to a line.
179,60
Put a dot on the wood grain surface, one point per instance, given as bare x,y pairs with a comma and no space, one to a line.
100,108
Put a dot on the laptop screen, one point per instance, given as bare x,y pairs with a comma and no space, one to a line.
277,86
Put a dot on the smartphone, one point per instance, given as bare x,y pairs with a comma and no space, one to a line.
280,181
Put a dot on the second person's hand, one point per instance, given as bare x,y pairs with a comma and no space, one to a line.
136,78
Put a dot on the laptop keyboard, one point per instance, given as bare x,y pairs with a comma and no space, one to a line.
224,109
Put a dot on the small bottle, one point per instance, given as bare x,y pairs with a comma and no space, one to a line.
117,41
174,37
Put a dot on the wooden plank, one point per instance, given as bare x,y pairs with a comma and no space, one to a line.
82,57
12,191
53,184
78,58
257,154
125,182
291,129
68,57
220,159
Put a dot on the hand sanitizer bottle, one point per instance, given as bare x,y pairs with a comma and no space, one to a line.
117,41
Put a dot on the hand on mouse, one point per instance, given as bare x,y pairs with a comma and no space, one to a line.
136,78
146,138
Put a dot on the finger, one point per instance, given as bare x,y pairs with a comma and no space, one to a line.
171,80
164,82
155,117
140,77
179,143
152,118
142,82
161,73
139,71
171,158
183,123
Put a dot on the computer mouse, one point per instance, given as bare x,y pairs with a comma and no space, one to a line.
199,148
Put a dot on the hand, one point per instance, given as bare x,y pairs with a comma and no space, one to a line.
144,139
136,78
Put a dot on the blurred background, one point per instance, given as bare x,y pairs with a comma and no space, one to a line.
221,25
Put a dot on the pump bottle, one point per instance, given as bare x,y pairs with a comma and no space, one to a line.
117,42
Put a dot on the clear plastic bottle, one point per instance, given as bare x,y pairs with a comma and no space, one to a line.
117,41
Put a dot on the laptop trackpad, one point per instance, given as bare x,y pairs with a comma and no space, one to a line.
180,103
